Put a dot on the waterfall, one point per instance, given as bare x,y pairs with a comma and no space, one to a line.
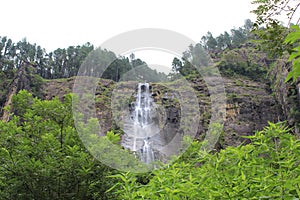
139,128
142,105
147,154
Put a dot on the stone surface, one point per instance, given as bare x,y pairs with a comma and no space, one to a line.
287,94
250,105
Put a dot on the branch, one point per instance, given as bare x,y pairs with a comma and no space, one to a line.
294,11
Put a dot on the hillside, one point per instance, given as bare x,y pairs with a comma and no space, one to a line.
250,105
142,134
255,94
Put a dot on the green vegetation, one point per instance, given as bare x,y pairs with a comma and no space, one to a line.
43,156
235,54
65,63
293,38
276,38
267,168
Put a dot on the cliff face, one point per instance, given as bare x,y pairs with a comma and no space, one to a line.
286,94
250,105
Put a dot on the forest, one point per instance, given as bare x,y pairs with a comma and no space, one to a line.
256,156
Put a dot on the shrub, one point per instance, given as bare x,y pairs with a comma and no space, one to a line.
268,168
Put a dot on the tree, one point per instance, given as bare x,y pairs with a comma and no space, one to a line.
248,26
117,69
26,52
274,32
176,65
268,11
238,37
42,156
224,41
7,54
132,56
277,38
195,57
209,42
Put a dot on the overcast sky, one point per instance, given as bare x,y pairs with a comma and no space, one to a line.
61,23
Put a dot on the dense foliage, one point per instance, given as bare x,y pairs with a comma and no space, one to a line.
235,54
276,37
42,156
63,62
57,64
268,168
294,39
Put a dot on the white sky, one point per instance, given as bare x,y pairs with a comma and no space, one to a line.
62,23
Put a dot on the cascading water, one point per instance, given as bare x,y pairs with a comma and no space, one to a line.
140,128
147,155
142,105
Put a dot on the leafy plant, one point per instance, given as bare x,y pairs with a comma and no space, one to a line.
267,168
112,137
42,156
294,39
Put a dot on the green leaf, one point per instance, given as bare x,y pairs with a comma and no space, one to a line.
289,76
295,54
293,36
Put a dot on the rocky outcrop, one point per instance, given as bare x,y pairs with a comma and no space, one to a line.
286,94
250,105
22,80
